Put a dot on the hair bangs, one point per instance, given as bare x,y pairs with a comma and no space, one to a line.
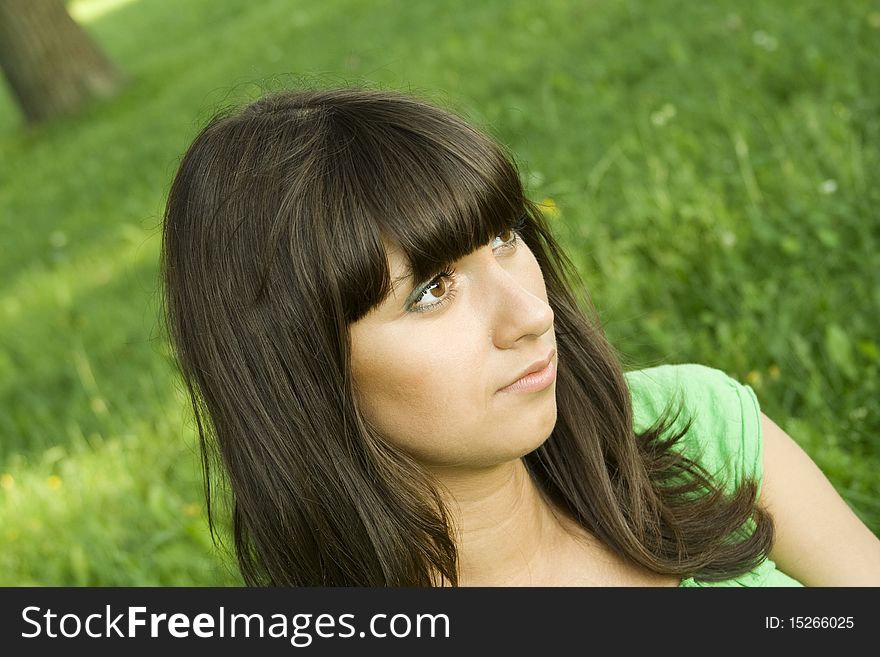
435,201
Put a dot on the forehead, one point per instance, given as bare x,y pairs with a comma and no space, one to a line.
400,272
398,266
402,282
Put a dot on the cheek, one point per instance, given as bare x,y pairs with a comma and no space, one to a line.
422,400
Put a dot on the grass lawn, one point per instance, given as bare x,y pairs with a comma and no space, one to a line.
707,165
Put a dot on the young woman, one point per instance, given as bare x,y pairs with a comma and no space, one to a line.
406,384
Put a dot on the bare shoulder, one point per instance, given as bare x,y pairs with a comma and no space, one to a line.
820,541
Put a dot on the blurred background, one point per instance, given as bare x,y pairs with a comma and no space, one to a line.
711,168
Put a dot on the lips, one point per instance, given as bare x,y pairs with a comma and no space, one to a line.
536,366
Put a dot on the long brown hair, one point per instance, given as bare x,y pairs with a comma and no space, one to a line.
273,244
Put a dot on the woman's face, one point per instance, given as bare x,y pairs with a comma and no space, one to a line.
430,382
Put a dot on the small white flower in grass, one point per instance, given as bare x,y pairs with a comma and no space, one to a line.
534,179
99,406
764,40
828,186
664,114
728,239
859,413
58,239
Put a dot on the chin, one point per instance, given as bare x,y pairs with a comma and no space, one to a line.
535,439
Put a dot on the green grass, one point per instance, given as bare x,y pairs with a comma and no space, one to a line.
713,164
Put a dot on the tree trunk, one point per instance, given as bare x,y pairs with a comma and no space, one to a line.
51,63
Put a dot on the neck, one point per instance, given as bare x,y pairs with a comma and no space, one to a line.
507,532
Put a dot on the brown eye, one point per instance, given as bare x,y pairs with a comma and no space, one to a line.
438,289
441,288
507,237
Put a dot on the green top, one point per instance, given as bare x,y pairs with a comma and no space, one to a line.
725,437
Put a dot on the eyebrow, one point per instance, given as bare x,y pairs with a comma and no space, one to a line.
407,273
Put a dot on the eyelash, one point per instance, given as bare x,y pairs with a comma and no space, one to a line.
449,274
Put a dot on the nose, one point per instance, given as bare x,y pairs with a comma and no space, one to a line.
518,297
